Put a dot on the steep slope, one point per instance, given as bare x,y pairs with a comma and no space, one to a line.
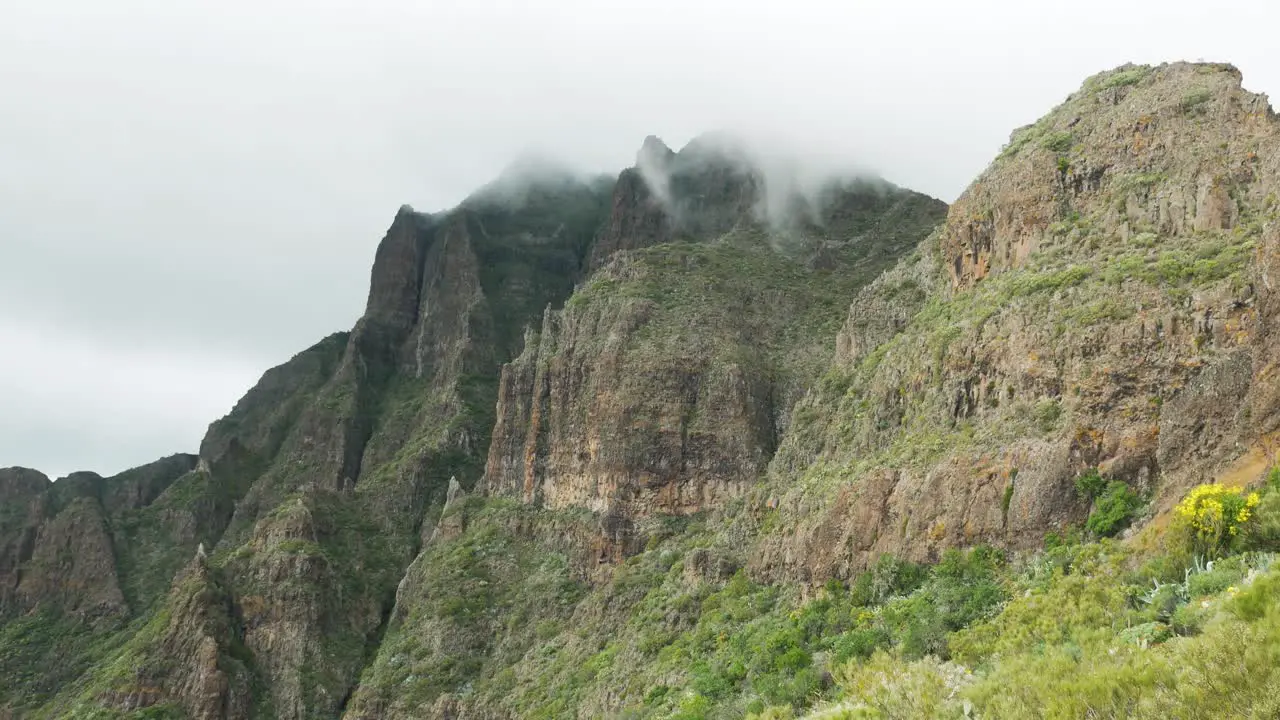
319,542
659,391
1091,304
665,385
312,496
66,577
1097,299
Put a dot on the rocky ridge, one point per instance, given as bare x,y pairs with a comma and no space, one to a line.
1092,301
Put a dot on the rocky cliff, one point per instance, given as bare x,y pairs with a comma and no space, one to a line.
595,445
666,383
660,390
1092,301
312,496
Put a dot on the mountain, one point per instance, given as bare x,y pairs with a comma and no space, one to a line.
717,437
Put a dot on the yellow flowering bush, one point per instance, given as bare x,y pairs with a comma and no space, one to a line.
1215,514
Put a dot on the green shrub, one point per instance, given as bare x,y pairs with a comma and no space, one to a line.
964,587
1189,619
1069,537
888,689
887,578
1114,504
1264,534
1058,142
1124,78
1090,485
757,711
1195,98
693,707
1047,413
1073,606
1212,582
1146,634
1124,184
860,644
1113,510
1257,599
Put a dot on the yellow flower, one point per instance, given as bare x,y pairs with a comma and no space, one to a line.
1213,512
1233,590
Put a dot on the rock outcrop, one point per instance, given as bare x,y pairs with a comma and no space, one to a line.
56,544
1093,301
665,385
321,538
194,652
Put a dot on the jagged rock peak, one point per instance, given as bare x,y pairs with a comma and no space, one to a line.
654,151
1176,148
16,481
455,492
393,285
452,520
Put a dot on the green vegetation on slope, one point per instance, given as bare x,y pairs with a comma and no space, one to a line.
742,300
712,300
674,632
42,651
487,596
679,632
148,558
1067,291
1099,630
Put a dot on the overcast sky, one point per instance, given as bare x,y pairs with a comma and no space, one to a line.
190,192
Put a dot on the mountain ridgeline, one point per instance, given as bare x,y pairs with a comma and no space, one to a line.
622,447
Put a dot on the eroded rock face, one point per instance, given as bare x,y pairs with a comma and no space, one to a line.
358,468
664,387
637,219
581,426
1263,400
192,663
57,548
21,506
72,565
1094,300
1179,150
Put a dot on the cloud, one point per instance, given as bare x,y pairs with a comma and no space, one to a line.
529,171
792,186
